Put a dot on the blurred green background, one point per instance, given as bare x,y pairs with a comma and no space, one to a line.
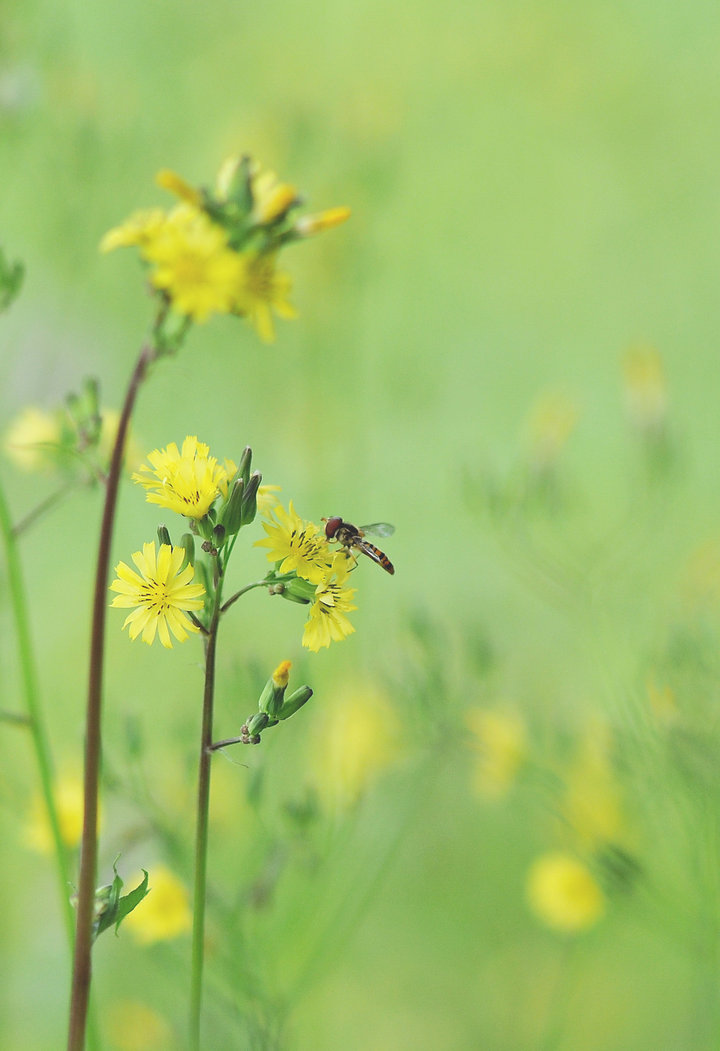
535,192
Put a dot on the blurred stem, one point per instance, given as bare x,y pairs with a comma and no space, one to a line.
201,833
35,720
80,994
42,508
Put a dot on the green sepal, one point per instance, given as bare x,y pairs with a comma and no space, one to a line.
111,908
295,701
187,541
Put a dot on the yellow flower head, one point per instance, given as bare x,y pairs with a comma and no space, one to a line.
194,265
186,481
160,596
170,180
272,199
308,225
327,622
68,795
357,739
261,290
141,229
165,912
562,893
299,546
281,675
500,740
646,395
133,1026
33,440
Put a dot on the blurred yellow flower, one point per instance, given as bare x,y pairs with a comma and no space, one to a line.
551,421
174,183
33,439
160,596
563,894
133,1026
185,481
140,229
193,264
592,804
261,290
500,742
68,794
165,913
110,421
271,198
646,397
355,740
308,225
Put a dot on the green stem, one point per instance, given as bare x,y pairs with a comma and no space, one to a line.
201,834
32,704
80,994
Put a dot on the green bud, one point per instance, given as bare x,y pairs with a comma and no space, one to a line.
257,723
218,535
163,535
271,698
295,701
245,464
91,391
298,590
187,541
231,514
249,500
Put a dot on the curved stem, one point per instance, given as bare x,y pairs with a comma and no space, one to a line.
201,833
34,718
88,855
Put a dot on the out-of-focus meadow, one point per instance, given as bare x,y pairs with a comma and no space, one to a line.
496,824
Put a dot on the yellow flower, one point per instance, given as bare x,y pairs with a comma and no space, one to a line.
187,481
299,546
33,440
194,265
161,595
133,1026
646,396
140,229
500,740
552,420
260,290
266,498
592,804
69,802
271,198
170,180
562,893
357,739
326,621
165,912
308,225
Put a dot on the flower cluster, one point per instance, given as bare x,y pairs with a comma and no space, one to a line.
320,575
216,251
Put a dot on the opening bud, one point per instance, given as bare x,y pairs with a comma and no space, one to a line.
249,500
163,536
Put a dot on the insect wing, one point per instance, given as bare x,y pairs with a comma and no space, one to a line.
378,529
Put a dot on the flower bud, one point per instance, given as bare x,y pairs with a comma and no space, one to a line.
187,540
257,723
297,590
249,500
295,701
231,514
271,698
245,464
218,535
163,536
308,225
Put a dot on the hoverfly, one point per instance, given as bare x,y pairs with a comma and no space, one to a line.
353,536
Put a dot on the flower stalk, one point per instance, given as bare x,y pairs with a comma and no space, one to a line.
82,964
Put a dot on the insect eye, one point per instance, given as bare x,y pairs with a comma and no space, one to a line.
331,526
